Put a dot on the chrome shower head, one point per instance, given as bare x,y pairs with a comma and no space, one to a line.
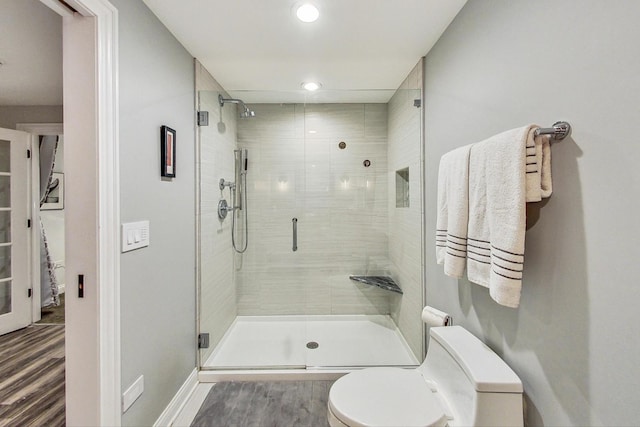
246,112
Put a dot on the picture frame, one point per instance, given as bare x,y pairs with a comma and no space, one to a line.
167,152
55,198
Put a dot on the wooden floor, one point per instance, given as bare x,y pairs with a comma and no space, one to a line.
53,314
32,377
265,404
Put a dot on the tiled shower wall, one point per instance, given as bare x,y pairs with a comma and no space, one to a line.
405,223
297,170
215,148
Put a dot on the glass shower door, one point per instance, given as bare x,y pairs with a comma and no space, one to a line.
216,288
270,275
263,281
345,233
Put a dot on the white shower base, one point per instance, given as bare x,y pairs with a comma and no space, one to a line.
270,342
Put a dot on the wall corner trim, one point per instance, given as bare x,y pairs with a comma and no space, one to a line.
179,401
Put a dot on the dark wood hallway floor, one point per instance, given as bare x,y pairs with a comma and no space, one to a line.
32,377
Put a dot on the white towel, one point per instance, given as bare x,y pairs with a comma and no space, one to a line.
538,168
497,196
453,209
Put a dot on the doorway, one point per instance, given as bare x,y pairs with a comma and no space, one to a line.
33,386
47,202
92,206
33,357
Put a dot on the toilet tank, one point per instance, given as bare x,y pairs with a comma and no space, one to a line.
478,386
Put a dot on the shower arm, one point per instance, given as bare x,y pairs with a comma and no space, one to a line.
222,101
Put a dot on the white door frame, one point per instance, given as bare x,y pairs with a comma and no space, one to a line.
90,62
36,130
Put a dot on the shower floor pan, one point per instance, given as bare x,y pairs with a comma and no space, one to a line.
311,342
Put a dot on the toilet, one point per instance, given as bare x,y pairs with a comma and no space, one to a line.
461,382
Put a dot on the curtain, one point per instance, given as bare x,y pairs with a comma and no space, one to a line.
48,280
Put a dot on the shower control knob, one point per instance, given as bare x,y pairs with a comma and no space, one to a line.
224,208
224,183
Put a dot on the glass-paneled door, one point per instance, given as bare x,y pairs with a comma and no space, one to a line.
15,307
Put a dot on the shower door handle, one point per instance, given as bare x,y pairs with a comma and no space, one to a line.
295,234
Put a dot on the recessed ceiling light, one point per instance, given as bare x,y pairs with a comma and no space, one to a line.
307,13
311,86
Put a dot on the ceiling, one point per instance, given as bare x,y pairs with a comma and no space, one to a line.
30,53
360,50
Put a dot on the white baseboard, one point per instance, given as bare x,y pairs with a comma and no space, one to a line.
191,409
174,407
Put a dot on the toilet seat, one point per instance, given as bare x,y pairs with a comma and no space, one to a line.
385,397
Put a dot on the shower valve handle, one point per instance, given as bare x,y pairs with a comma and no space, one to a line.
224,183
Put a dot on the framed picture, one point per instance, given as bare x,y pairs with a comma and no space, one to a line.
55,198
167,152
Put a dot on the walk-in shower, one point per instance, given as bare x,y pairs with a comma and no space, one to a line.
322,187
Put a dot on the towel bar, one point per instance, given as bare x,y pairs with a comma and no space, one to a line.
558,132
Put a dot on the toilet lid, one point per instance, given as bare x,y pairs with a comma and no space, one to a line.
385,397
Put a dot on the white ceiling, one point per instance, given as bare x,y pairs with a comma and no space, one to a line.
360,50
31,54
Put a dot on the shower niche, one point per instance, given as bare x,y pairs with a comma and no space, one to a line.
402,188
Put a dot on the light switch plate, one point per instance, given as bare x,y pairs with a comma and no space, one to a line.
135,235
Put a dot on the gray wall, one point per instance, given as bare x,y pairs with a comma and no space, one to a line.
14,114
158,282
574,339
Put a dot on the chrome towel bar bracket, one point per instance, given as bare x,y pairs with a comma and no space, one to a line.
558,132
